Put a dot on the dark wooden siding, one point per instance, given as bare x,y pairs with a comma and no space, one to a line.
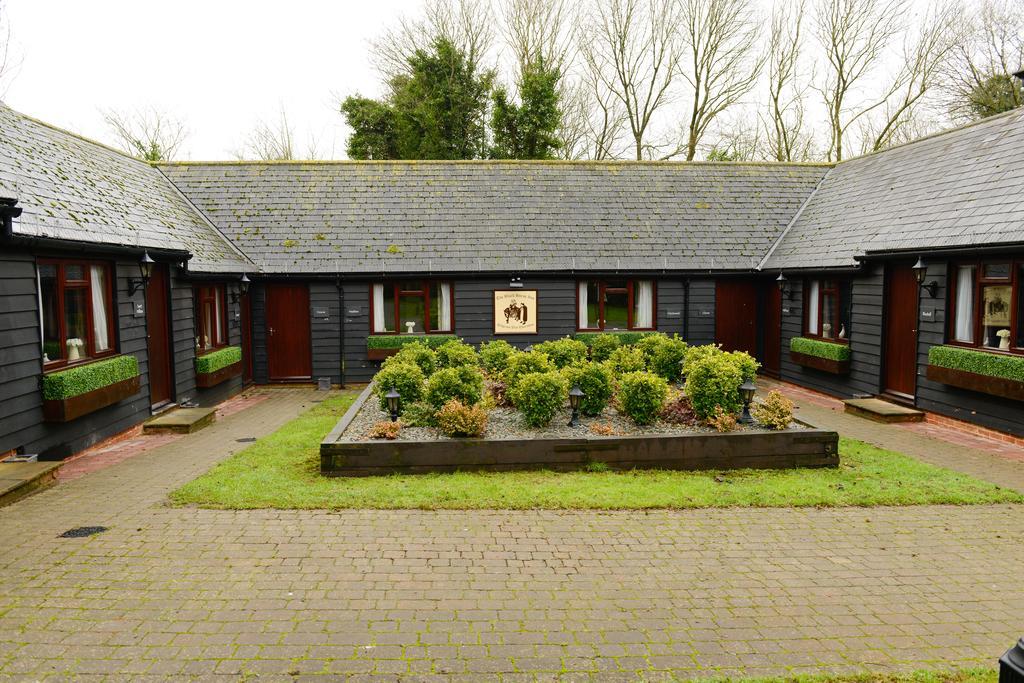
258,294
325,330
702,313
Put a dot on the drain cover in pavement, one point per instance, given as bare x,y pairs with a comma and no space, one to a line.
82,531
246,439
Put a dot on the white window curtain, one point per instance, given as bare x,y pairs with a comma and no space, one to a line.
583,322
643,294
218,324
812,308
964,331
444,308
101,340
378,309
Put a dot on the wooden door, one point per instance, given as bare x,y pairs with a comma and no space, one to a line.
289,354
736,315
772,361
158,337
246,307
900,360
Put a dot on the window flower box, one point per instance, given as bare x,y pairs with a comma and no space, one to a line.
218,366
72,393
820,355
995,374
383,346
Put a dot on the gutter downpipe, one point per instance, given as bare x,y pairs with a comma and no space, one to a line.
341,333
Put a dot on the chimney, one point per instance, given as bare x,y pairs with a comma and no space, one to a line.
9,210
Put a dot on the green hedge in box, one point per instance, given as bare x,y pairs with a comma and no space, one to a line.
218,360
85,378
819,349
625,338
397,341
978,362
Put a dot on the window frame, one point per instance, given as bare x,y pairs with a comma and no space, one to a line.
1016,283
218,290
86,284
400,291
602,287
839,284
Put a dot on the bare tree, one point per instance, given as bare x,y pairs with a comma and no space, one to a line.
9,62
721,36
978,80
854,35
786,134
633,49
467,24
275,141
148,134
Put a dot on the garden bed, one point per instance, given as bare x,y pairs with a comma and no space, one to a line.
509,445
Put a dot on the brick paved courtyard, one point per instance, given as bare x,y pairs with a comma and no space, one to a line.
511,595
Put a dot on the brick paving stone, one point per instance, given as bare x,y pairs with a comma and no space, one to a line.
525,595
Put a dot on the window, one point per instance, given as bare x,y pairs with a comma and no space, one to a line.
827,309
615,305
987,305
211,318
76,311
412,307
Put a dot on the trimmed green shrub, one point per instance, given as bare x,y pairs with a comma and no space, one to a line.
597,383
746,363
417,353
218,360
523,363
86,378
539,396
419,414
397,341
625,338
563,352
603,346
650,342
714,381
978,362
666,358
819,349
642,396
775,412
456,354
407,379
697,353
466,384
458,420
627,359
494,355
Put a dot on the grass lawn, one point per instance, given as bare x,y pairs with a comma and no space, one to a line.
281,470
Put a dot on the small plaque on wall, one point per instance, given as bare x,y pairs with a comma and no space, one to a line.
515,311
785,310
320,313
704,313
672,314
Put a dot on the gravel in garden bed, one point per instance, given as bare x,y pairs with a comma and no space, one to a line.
507,423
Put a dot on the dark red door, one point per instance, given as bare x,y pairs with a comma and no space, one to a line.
736,315
901,299
289,355
771,363
246,304
158,337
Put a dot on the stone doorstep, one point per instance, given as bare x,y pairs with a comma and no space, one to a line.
20,479
882,411
181,421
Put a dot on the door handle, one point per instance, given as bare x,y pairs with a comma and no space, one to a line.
271,331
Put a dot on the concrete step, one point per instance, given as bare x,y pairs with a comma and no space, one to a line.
19,479
181,421
882,411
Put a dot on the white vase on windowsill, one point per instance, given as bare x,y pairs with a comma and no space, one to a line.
1004,340
75,349
410,328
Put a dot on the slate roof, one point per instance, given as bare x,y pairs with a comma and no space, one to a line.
71,188
422,216
959,188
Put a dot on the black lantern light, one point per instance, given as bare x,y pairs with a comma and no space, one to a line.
243,284
920,273
145,272
392,397
9,210
747,390
575,396
782,283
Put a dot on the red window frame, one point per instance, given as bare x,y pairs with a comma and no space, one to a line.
400,291
629,288
86,284
980,282
210,295
835,288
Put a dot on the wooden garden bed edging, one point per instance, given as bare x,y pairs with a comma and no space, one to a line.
205,380
994,386
835,367
735,450
67,409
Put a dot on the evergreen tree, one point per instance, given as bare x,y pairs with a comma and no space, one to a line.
528,130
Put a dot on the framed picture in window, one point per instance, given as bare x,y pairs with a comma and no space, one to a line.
515,311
